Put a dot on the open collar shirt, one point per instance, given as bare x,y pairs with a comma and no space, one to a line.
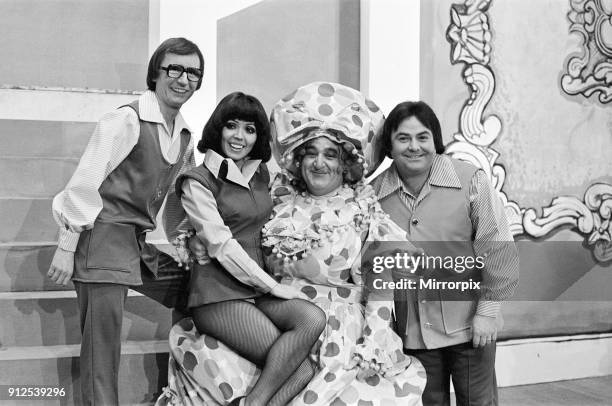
488,218
76,208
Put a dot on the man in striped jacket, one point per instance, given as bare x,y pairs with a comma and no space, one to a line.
450,318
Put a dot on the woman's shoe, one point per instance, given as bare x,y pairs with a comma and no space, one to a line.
237,401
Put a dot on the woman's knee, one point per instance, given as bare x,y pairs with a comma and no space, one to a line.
309,316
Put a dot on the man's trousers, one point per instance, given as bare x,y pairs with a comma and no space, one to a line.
101,308
471,369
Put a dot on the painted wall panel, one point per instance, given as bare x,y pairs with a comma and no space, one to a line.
572,135
275,46
74,43
441,86
493,70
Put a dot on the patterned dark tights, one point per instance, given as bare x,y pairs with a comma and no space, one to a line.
274,334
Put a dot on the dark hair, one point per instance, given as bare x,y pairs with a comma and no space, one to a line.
177,46
238,106
408,109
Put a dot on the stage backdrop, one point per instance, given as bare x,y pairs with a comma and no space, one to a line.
523,90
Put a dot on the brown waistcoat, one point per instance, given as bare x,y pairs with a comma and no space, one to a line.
441,225
132,195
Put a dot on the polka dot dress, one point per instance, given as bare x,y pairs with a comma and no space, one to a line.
323,261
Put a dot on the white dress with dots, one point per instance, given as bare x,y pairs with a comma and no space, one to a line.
317,246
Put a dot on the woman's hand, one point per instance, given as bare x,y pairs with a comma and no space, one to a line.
287,292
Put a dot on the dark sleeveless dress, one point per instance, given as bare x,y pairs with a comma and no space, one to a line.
244,211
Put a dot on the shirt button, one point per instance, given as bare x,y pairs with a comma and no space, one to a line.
415,222
428,325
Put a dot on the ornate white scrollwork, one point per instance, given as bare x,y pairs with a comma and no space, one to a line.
591,217
470,38
591,72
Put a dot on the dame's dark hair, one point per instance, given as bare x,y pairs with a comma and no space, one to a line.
177,46
405,110
238,106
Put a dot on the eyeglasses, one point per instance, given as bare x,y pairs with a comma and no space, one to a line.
176,71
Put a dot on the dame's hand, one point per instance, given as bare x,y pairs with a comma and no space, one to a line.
198,249
367,369
287,292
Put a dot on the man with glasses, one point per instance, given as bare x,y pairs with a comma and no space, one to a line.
112,200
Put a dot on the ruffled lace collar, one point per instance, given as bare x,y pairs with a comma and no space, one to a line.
307,222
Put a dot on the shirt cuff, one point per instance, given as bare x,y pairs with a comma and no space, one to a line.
270,284
488,308
68,240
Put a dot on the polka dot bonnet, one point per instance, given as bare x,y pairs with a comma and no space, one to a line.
340,113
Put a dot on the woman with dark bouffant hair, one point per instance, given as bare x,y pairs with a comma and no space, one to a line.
234,302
